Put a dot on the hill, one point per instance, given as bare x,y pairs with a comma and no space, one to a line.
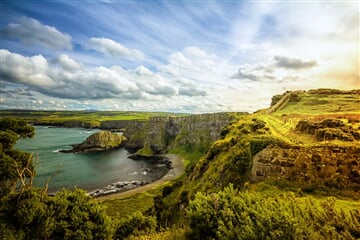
291,171
306,143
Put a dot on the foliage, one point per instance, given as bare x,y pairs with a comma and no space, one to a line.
30,213
14,165
33,214
230,214
136,224
167,234
19,127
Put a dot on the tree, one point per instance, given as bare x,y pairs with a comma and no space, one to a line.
14,165
33,214
29,213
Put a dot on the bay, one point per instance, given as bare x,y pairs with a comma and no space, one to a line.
86,170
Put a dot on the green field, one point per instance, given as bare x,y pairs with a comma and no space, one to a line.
83,116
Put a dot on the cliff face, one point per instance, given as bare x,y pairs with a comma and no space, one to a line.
163,133
99,141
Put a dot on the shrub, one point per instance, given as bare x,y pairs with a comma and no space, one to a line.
136,224
230,214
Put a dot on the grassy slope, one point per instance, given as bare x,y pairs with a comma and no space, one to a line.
221,163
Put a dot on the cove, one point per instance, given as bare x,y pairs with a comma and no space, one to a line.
89,171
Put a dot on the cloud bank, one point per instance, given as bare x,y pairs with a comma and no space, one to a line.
31,32
69,80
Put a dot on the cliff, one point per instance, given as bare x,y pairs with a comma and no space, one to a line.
161,134
100,141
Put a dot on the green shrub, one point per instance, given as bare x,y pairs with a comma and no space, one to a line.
230,214
136,224
33,214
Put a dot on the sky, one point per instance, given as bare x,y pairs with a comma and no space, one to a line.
176,56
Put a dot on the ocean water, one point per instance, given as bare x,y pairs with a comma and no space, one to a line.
84,170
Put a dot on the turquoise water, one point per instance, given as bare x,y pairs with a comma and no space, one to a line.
87,170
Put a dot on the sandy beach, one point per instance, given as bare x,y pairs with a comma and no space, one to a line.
177,164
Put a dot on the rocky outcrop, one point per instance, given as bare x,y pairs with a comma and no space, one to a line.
328,129
331,166
100,141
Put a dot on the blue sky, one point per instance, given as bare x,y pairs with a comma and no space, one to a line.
180,56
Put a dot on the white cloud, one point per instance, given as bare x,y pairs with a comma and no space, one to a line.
31,71
278,69
31,32
71,81
68,64
114,49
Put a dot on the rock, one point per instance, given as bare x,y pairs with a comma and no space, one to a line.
97,142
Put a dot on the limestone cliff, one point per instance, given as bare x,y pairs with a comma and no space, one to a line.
100,141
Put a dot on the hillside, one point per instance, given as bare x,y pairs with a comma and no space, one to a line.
292,143
307,143
291,171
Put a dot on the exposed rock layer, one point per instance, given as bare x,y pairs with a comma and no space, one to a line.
331,166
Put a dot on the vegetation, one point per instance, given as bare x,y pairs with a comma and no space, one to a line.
90,119
288,172
230,214
14,165
29,213
32,214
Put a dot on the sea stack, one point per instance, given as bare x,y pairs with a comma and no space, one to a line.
98,142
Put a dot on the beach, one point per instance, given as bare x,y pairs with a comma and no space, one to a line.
177,168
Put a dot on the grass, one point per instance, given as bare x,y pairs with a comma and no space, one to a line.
123,207
271,190
86,116
318,104
190,154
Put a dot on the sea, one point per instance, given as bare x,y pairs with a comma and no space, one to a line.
88,171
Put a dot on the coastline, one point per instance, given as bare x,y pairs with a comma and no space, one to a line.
177,168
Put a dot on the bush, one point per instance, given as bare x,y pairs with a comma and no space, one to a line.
68,215
136,224
230,214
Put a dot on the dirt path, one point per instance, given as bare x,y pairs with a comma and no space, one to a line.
178,168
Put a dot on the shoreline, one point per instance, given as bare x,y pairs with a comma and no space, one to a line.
177,168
